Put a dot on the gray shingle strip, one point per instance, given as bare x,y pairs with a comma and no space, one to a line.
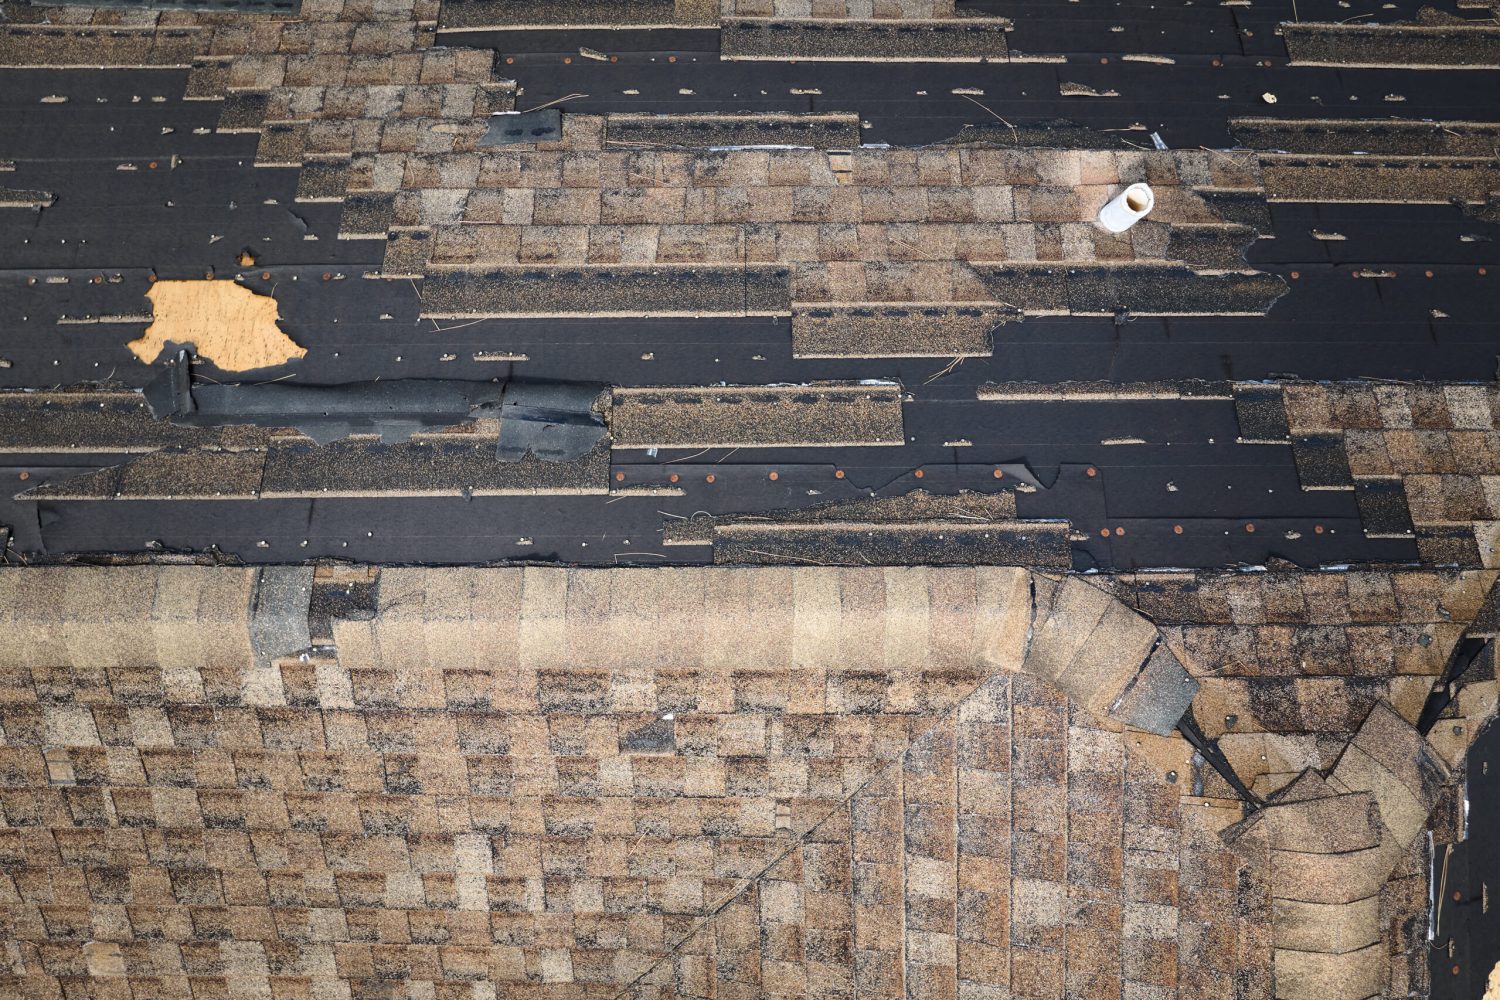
1380,179
1210,247
1144,290
1473,46
1261,414
1158,696
475,14
324,181
364,469
916,506
165,475
1057,133
1092,391
282,144
367,215
1238,207
88,47
279,617
1448,545
287,7
822,130
242,111
104,421
798,416
1368,136
882,330
1140,289
662,290
856,543
15,198
968,39
1322,463
1382,507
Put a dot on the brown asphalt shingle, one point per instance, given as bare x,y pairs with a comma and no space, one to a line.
686,780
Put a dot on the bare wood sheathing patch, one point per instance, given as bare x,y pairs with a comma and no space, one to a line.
225,322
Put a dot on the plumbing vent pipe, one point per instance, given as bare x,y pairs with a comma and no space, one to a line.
1127,208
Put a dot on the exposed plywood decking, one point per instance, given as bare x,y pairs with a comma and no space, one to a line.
226,323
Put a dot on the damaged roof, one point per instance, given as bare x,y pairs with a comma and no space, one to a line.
684,498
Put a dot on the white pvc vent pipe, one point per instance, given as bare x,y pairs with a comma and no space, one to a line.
1127,208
